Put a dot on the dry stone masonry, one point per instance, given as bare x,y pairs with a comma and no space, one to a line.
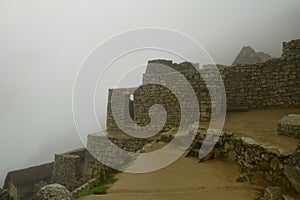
250,156
73,169
272,84
99,146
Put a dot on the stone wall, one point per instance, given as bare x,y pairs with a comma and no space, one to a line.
291,50
101,148
272,84
67,170
74,168
250,156
21,183
122,96
149,94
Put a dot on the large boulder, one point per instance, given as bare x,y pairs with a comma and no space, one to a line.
292,169
53,192
289,126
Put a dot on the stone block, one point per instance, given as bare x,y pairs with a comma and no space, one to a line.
289,126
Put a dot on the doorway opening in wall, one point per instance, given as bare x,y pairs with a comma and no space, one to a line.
131,100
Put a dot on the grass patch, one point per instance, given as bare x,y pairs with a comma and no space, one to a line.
223,67
98,187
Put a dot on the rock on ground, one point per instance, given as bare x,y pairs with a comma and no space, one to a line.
272,193
53,192
289,126
244,178
292,169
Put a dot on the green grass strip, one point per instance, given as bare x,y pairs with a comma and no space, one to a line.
98,187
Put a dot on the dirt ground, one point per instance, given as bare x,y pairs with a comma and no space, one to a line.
185,179
261,126
215,179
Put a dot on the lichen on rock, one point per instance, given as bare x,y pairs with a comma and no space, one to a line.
53,192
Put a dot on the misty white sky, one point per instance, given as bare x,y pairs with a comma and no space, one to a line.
43,44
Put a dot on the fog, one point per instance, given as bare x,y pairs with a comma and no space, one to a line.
43,44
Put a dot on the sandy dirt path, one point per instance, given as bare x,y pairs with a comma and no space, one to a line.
185,179
215,179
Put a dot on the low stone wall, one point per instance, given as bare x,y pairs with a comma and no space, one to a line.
73,169
251,157
101,147
22,183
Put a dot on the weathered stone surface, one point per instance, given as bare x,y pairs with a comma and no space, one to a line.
290,197
66,170
53,192
74,168
289,125
292,169
244,178
101,148
37,186
232,155
251,156
273,193
166,137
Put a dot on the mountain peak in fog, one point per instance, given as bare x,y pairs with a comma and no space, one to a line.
248,55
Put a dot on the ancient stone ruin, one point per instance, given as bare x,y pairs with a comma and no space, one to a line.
262,85
271,84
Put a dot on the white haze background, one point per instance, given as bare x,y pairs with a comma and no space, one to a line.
43,43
